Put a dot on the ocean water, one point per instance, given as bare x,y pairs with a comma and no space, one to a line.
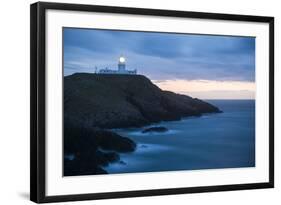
212,141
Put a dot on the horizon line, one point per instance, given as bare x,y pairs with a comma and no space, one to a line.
228,99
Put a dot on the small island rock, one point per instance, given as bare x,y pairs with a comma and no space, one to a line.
155,129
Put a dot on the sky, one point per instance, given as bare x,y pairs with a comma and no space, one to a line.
202,66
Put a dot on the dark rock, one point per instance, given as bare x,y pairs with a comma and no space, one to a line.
85,145
111,141
119,101
155,129
81,166
104,159
143,146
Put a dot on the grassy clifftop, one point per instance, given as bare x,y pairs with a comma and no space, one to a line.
113,101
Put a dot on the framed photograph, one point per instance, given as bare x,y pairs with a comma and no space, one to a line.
129,102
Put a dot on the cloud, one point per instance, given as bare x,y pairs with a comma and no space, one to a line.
162,56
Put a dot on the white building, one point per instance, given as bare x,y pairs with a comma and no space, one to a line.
121,69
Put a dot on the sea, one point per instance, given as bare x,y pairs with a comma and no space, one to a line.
211,141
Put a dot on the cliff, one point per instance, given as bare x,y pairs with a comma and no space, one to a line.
115,101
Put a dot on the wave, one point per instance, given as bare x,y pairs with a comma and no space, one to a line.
140,133
132,161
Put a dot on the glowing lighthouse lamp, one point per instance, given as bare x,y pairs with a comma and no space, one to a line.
122,59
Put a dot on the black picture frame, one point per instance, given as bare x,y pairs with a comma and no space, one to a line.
38,103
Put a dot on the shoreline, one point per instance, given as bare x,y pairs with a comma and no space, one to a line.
189,147
110,155
140,133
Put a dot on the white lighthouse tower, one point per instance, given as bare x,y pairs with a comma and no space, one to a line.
122,65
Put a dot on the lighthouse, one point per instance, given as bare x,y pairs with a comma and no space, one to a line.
122,64
121,68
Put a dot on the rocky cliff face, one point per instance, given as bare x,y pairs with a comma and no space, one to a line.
115,101
93,103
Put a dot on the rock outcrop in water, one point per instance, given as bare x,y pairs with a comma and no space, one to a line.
119,101
155,129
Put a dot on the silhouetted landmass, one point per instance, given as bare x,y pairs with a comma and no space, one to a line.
120,101
94,103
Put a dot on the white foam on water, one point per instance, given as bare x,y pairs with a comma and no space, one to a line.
130,161
140,133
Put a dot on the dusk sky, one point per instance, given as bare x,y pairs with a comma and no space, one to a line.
202,66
